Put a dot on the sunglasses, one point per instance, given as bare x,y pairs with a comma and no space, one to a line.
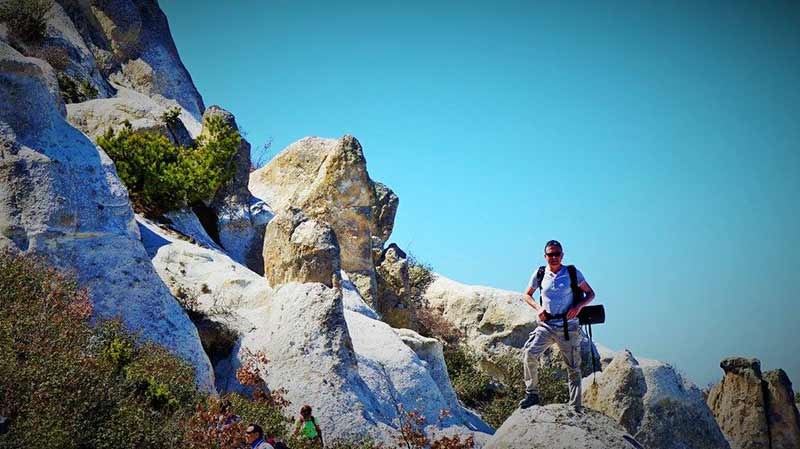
553,254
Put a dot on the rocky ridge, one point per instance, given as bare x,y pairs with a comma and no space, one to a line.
61,199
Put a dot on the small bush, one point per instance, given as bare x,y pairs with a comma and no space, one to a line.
73,385
161,176
497,397
420,277
171,116
473,387
74,92
26,19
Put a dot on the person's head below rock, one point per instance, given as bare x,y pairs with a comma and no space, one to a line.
253,432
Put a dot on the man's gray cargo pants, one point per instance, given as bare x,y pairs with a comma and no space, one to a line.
539,340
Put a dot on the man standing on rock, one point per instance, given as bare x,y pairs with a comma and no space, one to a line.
564,292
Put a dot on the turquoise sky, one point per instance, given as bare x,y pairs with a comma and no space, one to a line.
659,141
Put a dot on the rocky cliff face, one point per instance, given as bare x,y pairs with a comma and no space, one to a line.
60,198
131,46
755,410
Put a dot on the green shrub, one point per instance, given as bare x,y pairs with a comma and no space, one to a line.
473,387
420,277
171,116
72,91
161,176
26,19
496,397
73,385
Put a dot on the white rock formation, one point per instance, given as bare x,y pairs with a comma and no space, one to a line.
132,47
241,217
660,408
351,367
94,117
328,180
60,198
559,426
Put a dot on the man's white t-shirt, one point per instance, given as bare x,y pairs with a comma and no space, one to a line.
556,291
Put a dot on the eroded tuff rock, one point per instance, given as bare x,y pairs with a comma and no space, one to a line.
393,298
328,180
132,47
754,411
738,404
300,249
351,367
241,219
784,422
95,117
60,198
64,49
559,426
653,403
384,212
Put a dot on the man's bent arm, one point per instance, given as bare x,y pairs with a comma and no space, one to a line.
589,294
529,299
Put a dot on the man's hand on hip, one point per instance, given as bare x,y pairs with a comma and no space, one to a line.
542,314
573,312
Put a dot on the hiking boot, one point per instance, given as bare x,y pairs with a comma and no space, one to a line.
530,400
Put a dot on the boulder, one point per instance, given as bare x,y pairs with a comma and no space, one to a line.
559,426
300,249
60,198
328,180
782,416
493,320
656,405
384,212
618,392
393,297
739,406
241,218
95,117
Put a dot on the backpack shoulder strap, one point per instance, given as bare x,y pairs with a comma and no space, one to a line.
539,277
577,293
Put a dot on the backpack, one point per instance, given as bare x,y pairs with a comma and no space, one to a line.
577,294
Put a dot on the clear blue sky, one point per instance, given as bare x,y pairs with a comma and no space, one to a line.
659,141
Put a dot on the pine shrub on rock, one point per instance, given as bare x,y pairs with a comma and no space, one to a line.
161,176
26,19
